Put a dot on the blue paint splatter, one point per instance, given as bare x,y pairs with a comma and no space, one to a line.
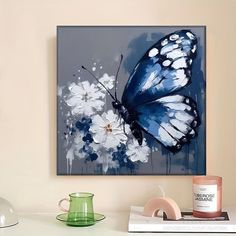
122,158
83,124
87,138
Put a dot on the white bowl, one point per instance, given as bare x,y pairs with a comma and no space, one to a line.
8,216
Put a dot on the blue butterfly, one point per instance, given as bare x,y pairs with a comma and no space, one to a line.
149,103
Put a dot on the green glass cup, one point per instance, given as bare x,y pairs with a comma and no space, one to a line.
80,212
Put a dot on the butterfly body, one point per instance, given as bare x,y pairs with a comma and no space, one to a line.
129,118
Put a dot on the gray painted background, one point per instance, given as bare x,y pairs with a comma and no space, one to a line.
78,46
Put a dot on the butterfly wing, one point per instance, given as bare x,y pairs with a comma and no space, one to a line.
164,68
171,120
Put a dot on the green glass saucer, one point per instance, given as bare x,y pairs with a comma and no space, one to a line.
80,221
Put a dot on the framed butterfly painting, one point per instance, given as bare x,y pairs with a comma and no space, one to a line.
131,100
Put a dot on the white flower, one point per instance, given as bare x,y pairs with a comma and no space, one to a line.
135,152
108,130
85,98
107,81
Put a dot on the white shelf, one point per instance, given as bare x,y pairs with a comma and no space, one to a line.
115,224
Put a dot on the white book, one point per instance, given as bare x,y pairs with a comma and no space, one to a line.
224,224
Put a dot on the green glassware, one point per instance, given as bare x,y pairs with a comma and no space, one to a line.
64,218
80,211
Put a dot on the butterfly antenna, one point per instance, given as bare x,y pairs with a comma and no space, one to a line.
99,82
116,79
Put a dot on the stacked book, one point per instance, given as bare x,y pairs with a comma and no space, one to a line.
226,223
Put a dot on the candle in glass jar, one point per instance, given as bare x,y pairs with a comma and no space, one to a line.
207,196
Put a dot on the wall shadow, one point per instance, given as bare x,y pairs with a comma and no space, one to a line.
52,100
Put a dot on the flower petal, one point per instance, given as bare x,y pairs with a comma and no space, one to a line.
88,110
111,141
86,86
98,120
121,137
111,116
135,152
99,137
76,89
73,101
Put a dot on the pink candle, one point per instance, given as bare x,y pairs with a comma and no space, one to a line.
207,196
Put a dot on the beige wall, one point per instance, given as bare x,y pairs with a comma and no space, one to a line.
28,99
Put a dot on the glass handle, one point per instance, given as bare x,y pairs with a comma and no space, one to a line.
60,204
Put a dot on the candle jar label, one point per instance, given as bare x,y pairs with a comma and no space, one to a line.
205,198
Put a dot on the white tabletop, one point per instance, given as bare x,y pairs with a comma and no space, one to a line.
46,224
